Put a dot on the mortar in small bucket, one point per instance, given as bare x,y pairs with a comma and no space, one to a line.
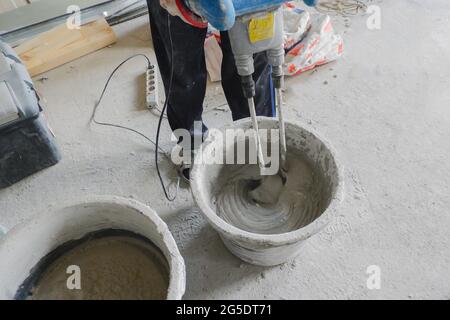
117,247
261,234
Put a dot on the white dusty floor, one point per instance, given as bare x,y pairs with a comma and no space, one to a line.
385,107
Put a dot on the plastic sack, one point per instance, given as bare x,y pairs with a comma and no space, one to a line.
296,24
214,57
320,46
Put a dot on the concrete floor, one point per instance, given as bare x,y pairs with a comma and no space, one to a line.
385,107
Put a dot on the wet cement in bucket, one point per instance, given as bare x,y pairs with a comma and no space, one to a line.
111,267
302,199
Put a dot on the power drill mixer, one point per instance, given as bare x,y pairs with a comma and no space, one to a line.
253,26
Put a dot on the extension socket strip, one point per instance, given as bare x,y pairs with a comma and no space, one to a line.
152,87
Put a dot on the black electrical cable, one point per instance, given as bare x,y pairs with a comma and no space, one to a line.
94,112
156,144
169,92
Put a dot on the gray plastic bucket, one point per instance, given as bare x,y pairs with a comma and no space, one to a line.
267,249
27,244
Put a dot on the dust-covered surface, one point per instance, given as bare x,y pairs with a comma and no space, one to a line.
108,268
385,109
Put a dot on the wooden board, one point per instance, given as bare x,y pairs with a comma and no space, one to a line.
61,45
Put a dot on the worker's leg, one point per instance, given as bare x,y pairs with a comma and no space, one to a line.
231,83
189,78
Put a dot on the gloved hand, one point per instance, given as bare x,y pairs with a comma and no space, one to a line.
176,8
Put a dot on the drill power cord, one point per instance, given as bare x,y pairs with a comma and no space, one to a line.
158,149
166,102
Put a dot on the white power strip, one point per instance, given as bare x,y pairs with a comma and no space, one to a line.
152,87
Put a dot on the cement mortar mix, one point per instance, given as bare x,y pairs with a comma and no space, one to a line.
268,234
103,248
115,267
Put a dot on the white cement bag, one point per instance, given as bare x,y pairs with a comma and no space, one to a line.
320,46
214,57
296,24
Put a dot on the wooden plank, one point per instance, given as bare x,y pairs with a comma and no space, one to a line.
61,45
48,40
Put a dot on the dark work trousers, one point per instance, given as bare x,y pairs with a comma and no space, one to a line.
185,104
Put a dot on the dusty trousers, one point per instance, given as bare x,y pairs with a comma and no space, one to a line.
185,104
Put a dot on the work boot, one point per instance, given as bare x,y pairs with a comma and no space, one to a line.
185,172
184,168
